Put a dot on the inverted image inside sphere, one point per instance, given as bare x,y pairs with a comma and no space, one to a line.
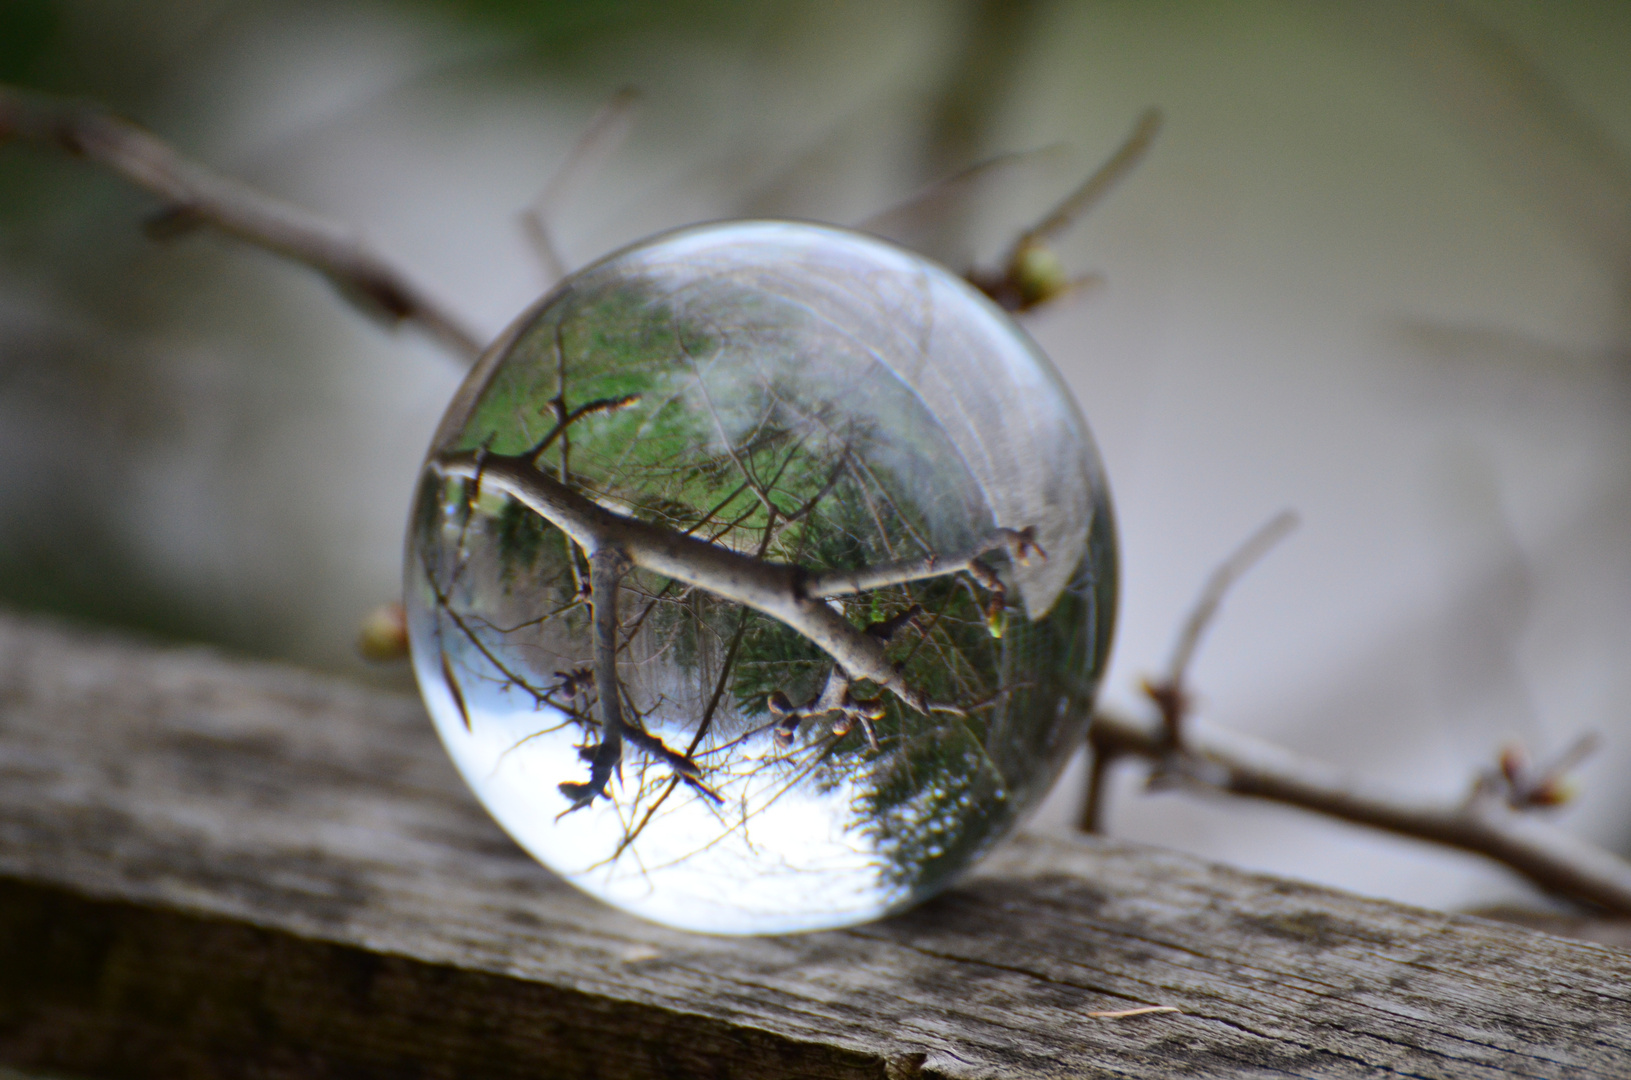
762,578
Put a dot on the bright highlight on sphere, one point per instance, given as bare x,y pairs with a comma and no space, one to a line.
761,578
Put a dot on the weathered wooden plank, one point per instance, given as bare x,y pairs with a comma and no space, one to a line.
215,868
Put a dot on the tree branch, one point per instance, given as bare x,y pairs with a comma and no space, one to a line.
1495,819
194,195
837,694
1021,544
1030,274
606,569
777,590
1217,585
606,131
1096,186
943,197
1218,760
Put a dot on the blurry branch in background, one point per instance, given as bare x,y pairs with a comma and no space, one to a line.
1096,186
1031,274
1495,818
908,221
195,196
605,133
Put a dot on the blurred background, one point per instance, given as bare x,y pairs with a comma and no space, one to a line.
1376,269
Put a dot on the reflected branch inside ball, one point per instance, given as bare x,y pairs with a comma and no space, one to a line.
800,598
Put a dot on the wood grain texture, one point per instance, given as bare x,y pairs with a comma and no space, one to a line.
210,868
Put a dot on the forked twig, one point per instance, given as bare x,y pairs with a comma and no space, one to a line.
1218,584
1495,819
194,196
1030,274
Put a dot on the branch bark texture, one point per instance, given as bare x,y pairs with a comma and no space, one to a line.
1213,759
774,589
194,195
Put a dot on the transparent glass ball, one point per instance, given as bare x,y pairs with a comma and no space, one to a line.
761,577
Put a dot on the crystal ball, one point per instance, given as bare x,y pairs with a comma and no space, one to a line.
760,578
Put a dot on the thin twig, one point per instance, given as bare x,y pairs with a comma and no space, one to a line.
1169,694
1100,759
774,589
1098,185
1495,820
1030,274
194,195
898,223
1254,548
1229,762
1019,543
607,567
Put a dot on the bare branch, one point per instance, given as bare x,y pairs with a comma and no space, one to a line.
1524,785
1020,543
599,405
1096,186
194,195
1494,820
899,223
470,635
748,478
1030,274
837,697
777,590
1099,760
1245,556
1229,762
606,569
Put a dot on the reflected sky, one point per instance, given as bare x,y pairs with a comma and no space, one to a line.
780,856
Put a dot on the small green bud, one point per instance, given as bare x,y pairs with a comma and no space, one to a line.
1039,274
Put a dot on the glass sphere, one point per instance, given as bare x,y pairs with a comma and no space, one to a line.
761,577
